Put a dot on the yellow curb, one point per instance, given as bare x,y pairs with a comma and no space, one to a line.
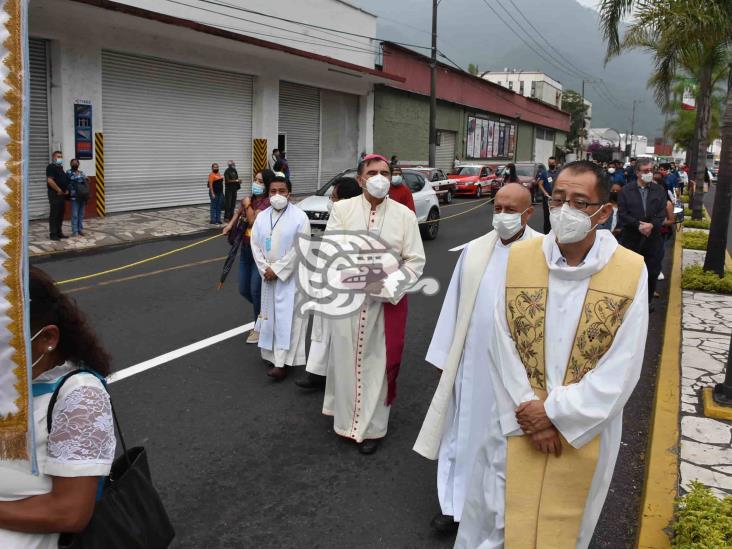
712,409
662,468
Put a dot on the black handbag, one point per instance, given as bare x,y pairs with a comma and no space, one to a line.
130,513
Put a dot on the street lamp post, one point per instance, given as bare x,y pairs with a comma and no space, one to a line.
723,391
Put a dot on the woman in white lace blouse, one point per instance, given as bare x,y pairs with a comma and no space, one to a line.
79,449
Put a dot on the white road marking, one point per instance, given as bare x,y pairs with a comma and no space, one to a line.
183,351
458,248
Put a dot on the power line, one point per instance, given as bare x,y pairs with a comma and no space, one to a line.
585,74
350,47
319,27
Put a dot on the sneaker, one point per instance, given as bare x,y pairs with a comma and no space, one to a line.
253,337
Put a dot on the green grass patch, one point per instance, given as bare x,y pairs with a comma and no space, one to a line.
702,520
688,212
696,278
697,223
695,240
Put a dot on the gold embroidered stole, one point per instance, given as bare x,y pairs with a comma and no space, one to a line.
546,495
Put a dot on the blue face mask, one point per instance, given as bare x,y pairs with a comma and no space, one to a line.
257,189
59,161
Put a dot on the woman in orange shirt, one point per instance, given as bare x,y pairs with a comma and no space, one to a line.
216,193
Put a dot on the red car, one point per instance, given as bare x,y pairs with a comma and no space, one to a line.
472,180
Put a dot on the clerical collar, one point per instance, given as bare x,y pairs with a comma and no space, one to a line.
595,260
367,204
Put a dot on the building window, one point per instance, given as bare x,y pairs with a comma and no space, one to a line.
510,85
533,89
521,87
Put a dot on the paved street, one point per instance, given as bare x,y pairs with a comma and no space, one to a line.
242,461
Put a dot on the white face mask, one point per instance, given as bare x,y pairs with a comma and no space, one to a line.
611,170
278,201
507,225
396,180
647,177
36,361
329,206
378,186
570,225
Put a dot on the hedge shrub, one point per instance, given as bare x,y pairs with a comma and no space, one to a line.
688,213
697,223
696,278
695,240
702,520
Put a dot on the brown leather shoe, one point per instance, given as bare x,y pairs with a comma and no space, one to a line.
278,374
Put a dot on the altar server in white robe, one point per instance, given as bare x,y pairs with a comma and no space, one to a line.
463,412
274,239
567,345
316,368
366,346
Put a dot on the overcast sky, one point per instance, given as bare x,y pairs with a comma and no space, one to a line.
589,3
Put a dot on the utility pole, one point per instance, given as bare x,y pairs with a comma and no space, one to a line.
632,128
581,139
433,89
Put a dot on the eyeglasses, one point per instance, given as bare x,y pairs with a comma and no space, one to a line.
576,203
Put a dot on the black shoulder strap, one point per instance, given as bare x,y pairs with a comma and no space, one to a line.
57,390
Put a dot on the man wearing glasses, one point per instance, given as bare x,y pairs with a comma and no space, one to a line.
641,213
567,344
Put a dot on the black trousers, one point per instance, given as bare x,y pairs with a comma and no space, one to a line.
56,216
230,191
545,209
652,249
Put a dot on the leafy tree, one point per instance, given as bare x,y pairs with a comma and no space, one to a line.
473,69
683,33
573,104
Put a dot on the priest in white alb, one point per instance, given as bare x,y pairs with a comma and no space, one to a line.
366,346
567,348
462,414
274,239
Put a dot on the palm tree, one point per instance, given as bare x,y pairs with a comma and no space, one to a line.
686,29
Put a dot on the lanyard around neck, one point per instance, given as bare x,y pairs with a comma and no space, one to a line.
272,224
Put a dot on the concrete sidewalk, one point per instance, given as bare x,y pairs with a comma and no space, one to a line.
122,228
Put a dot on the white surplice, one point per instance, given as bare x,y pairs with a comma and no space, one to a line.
471,416
318,356
580,411
356,386
281,330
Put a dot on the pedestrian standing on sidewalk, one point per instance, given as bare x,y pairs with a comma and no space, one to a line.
546,179
215,193
232,184
274,239
318,361
250,281
282,166
399,191
58,189
79,194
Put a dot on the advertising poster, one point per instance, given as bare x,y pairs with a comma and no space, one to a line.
484,143
470,141
501,140
491,138
511,140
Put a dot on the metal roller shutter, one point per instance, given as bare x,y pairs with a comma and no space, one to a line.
300,122
445,153
39,143
165,124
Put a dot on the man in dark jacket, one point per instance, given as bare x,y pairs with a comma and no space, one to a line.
58,188
232,184
641,213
